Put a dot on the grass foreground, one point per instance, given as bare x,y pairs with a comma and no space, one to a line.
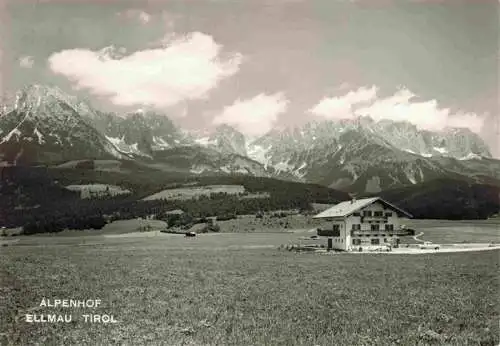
169,296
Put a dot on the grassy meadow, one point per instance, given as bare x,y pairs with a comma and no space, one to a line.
446,232
237,289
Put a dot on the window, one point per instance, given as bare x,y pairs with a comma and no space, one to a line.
356,227
367,213
356,242
389,227
375,241
356,214
378,213
387,214
336,227
375,227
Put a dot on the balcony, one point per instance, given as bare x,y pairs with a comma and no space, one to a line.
395,232
328,232
374,218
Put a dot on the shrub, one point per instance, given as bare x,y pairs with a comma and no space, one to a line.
214,228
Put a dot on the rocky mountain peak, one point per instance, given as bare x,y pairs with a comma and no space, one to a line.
35,95
45,122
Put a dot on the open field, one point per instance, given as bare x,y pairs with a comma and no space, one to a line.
437,231
226,289
449,232
196,191
238,289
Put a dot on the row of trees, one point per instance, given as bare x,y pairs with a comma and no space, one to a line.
52,225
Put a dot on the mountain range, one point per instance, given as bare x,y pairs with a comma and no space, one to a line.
46,126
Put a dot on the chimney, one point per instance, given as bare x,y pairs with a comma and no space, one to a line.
353,198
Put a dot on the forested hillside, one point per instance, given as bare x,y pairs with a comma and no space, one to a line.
447,199
37,197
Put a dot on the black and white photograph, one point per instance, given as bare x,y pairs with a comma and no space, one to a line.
250,172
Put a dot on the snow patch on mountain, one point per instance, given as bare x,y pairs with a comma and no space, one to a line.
411,177
471,156
119,143
39,136
199,169
284,166
302,166
259,154
441,150
160,144
111,149
205,141
15,132
342,159
350,169
300,172
57,137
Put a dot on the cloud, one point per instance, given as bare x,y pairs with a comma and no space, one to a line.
490,132
26,61
186,68
254,116
144,17
402,106
342,107
136,14
169,19
425,114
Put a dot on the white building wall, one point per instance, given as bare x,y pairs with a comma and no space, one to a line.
339,243
382,235
345,235
350,220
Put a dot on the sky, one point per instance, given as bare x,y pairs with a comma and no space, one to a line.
263,64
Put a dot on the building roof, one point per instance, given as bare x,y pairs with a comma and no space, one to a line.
346,208
319,207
